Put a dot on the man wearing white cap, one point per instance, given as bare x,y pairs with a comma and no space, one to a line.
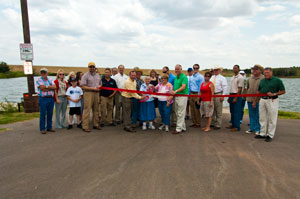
220,84
45,88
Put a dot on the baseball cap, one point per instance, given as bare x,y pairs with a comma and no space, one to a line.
242,72
73,79
92,64
44,70
189,69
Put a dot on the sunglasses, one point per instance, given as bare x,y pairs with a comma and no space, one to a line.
196,68
92,67
61,74
43,72
207,76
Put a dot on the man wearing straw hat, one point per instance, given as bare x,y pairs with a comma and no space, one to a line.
220,84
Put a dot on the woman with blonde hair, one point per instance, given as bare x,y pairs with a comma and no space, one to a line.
60,99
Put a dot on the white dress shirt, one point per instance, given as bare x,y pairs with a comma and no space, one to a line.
220,85
120,79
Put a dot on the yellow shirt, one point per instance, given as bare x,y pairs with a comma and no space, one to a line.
130,85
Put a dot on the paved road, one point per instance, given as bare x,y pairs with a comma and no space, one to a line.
115,164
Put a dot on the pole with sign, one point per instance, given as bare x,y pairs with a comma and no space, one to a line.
27,42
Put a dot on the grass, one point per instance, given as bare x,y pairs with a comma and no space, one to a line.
8,118
284,114
12,74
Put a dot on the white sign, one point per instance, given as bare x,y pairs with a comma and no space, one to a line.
28,68
26,51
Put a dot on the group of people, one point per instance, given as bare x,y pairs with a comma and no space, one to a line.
168,95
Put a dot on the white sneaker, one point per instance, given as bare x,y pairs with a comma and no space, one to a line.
249,131
144,128
151,127
161,127
167,129
257,133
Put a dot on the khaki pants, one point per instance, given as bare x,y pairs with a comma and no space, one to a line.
106,109
180,109
127,105
118,105
173,114
91,102
268,112
218,110
194,112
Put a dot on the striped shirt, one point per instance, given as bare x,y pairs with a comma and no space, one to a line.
42,82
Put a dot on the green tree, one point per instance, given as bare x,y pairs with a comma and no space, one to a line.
4,67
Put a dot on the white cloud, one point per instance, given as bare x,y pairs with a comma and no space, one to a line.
148,33
295,21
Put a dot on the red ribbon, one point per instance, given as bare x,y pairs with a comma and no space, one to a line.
179,95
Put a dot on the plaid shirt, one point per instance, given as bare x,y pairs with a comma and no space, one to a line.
42,82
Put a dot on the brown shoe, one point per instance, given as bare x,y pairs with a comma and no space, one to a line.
131,130
97,127
175,132
229,127
234,130
51,130
193,125
197,126
86,130
43,132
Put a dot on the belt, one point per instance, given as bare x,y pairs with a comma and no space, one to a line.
91,91
194,92
267,97
218,93
233,93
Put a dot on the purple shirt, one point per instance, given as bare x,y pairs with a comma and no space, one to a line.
42,82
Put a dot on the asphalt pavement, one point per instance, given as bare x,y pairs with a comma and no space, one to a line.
112,163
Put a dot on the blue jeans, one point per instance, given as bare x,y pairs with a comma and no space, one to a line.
46,109
135,111
254,117
235,111
165,112
242,109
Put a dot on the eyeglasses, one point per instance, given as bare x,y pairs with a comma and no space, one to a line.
61,74
43,72
92,67
207,76
164,71
196,68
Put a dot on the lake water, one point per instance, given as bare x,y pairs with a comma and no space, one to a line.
13,89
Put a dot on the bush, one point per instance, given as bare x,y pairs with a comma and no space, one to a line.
8,107
4,67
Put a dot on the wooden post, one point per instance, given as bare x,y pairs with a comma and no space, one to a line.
26,35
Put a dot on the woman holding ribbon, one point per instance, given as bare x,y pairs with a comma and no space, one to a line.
164,102
207,89
147,110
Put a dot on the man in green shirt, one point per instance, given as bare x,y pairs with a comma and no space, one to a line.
268,106
180,87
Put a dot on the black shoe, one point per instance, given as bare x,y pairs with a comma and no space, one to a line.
211,126
112,124
217,128
268,139
70,126
259,137
101,125
79,126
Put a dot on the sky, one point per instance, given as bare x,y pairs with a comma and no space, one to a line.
155,33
